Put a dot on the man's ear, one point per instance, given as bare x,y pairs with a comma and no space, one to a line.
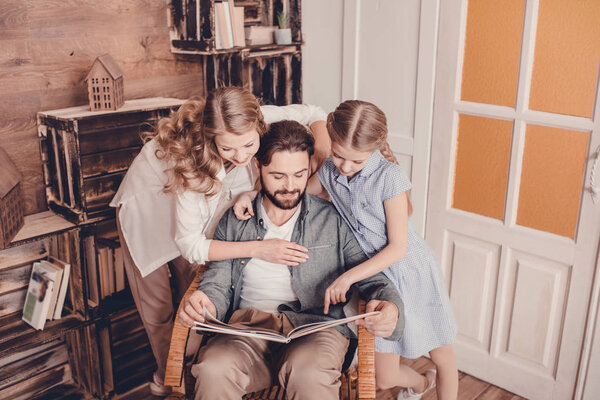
256,164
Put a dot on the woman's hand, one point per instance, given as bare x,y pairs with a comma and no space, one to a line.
280,251
243,206
336,292
193,308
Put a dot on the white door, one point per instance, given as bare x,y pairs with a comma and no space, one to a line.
510,212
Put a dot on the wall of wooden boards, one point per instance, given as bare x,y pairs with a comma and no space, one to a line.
46,50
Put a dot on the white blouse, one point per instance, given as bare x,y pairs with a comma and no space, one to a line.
158,226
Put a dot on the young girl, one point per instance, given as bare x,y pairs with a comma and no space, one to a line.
371,192
175,191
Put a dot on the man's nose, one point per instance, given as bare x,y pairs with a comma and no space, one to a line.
289,185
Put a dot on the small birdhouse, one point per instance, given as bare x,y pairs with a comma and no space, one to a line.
11,201
105,84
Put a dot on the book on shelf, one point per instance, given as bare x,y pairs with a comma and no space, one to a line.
92,271
60,289
39,295
222,32
119,270
239,36
110,265
213,325
228,6
259,35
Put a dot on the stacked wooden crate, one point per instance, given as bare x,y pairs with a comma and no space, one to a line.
85,154
31,361
271,72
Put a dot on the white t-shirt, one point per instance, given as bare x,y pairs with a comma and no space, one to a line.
148,215
266,285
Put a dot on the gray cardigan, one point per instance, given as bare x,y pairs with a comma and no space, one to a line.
332,249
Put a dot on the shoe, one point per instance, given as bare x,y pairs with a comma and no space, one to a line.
157,388
409,394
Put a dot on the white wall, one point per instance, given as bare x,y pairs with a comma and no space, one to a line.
322,26
371,50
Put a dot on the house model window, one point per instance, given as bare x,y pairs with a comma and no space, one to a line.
105,84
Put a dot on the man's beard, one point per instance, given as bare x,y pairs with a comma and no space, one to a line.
282,204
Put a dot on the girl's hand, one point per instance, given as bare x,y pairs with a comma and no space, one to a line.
336,292
280,251
243,206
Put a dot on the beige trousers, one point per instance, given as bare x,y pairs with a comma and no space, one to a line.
154,299
308,367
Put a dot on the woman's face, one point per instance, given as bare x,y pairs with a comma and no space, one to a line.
238,149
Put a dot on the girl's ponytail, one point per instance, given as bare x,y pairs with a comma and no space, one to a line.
386,152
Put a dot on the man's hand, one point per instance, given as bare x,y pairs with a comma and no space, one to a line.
382,325
193,308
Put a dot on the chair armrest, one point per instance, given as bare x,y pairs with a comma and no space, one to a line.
179,337
366,360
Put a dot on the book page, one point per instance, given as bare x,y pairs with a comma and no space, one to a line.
213,325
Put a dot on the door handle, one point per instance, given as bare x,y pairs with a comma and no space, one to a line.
593,185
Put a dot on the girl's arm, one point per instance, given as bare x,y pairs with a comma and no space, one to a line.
192,215
310,115
396,215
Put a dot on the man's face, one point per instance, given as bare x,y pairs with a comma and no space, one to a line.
284,179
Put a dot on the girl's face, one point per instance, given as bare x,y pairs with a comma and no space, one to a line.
238,149
349,161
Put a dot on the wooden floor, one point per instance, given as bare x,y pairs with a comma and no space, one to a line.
469,388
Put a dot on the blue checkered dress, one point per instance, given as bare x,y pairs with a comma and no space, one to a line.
429,318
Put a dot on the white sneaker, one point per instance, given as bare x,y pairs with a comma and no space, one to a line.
409,394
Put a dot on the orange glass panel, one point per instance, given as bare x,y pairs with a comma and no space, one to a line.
492,51
482,162
567,52
552,179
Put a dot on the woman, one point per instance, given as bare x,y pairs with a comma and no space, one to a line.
176,190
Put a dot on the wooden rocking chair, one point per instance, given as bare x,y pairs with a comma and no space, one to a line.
357,384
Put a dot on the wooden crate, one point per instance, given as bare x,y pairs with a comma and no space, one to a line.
192,23
273,73
86,154
11,201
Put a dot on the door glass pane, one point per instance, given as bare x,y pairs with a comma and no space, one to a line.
567,53
551,179
492,51
482,162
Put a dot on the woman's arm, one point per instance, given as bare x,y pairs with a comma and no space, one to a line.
192,215
396,215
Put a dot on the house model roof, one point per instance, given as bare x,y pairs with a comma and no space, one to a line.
9,176
110,65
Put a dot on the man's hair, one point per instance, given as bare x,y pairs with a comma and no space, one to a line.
284,136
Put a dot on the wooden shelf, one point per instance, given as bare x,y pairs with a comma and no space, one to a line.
40,225
195,47
16,333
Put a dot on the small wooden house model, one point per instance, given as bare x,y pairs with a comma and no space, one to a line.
11,201
105,84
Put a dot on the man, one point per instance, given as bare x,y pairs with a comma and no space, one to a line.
256,293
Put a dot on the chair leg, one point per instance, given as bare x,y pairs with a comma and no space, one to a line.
366,360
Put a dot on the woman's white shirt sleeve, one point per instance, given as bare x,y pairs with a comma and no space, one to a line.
192,216
306,114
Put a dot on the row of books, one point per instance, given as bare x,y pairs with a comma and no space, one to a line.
229,25
46,293
105,268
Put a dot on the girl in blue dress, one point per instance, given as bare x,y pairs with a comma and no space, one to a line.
371,192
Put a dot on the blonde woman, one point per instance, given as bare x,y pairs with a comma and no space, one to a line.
187,174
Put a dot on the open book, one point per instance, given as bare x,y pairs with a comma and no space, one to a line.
214,325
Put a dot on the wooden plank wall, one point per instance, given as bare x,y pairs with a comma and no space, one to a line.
46,50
